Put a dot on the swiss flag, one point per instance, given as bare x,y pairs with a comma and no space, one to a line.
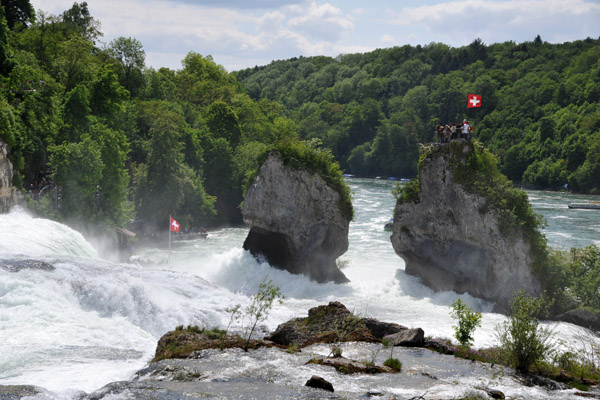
174,225
474,101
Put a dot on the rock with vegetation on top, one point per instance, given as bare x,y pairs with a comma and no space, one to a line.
461,226
297,221
9,195
329,324
190,341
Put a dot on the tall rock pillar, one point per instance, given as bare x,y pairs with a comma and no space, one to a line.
295,221
453,240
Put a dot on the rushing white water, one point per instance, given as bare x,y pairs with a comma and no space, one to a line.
89,321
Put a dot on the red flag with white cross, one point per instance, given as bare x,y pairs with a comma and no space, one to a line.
174,225
474,101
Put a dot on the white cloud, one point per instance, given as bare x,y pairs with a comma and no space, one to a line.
495,21
241,4
388,40
271,21
468,11
173,28
322,21
238,34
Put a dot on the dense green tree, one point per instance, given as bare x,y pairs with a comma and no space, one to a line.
17,11
77,171
107,95
586,177
131,62
223,123
584,268
539,103
113,186
5,51
220,177
160,196
79,19
74,62
76,112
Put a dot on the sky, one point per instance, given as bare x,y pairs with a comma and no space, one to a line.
243,33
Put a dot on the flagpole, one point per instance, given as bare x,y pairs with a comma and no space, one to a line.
170,239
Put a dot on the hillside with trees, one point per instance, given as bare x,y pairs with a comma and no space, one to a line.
540,112
107,139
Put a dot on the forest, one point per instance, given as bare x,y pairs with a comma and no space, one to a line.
108,139
103,139
540,112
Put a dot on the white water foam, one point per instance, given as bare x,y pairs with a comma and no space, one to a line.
21,234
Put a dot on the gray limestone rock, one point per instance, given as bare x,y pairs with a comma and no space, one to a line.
16,392
448,239
19,265
407,338
8,194
583,317
295,221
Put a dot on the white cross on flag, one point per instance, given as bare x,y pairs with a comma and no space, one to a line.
174,225
474,101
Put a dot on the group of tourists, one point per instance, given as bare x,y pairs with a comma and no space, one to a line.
450,131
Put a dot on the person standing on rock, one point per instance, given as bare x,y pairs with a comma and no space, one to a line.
453,127
465,129
440,132
447,134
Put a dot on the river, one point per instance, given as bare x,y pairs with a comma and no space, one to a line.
91,321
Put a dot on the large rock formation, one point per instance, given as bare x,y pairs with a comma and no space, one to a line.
295,221
9,196
452,239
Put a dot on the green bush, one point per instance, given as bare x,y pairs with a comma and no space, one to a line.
214,333
336,351
393,363
293,348
521,338
468,321
410,191
261,305
583,266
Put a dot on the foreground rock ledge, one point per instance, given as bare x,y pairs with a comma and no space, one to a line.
447,241
295,221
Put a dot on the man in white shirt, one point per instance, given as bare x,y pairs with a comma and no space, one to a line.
465,129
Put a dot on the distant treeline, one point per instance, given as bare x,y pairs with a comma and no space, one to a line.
540,113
